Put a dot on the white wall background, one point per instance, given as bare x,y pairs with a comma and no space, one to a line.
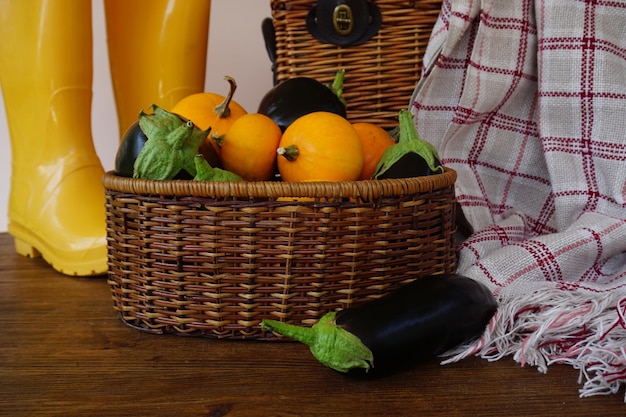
235,48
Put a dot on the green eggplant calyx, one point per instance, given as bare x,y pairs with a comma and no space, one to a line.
223,109
337,86
218,139
408,142
171,146
205,172
291,152
329,343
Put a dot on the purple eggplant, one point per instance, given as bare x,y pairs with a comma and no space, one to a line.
299,96
410,156
131,145
413,324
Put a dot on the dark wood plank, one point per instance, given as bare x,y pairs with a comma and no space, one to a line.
64,352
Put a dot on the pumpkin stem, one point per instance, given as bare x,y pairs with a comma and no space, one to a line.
291,152
223,110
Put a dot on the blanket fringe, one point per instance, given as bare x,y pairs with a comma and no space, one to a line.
551,326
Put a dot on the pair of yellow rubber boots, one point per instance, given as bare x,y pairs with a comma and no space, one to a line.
157,52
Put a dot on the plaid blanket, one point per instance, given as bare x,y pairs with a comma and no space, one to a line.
526,100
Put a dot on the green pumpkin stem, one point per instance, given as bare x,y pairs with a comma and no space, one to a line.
291,152
223,109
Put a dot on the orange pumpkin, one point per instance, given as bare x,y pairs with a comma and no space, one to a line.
211,110
249,147
374,140
320,146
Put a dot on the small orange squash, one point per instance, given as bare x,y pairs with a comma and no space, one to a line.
374,140
249,147
320,146
211,110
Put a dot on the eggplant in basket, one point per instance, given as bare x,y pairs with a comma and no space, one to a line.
413,324
296,97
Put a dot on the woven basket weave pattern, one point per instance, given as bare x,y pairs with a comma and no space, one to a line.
380,74
214,259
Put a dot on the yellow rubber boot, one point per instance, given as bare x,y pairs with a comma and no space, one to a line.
157,53
56,205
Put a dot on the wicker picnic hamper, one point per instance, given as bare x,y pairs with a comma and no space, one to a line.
381,73
213,259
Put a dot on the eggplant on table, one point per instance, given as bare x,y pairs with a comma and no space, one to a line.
416,323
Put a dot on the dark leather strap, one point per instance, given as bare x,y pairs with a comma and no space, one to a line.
269,36
344,22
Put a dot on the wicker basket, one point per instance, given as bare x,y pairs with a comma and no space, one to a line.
381,74
214,259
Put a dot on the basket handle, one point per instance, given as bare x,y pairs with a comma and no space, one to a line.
344,22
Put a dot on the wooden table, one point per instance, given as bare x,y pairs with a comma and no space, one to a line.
64,352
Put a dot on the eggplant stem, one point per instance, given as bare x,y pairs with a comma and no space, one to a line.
223,109
407,128
219,139
408,142
305,335
332,345
337,86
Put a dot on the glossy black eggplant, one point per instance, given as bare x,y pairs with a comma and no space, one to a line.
410,156
132,143
298,96
415,323
409,165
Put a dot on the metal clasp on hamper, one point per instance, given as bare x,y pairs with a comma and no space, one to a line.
343,20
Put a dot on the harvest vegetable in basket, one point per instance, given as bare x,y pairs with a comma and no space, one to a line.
171,147
374,142
133,142
131,145
205,172
320,146
168,148
411,156
249,147
299,96
415,323
211,110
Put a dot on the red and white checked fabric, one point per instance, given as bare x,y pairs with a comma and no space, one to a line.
526,100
